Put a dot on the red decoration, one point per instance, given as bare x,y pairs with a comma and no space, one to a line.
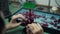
30,16
45,25
58,20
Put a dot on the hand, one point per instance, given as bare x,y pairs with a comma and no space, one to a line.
13,23
34,29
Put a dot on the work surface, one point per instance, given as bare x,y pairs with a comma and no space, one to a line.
41,20
45,19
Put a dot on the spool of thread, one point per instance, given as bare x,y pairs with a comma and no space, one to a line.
54,9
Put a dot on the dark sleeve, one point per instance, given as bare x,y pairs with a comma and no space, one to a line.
4,6
1,25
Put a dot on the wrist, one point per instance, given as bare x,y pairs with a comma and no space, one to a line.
8,26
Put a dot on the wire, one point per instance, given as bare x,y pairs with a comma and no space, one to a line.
49,6
57,3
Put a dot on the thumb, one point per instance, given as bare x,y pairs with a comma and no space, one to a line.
17,24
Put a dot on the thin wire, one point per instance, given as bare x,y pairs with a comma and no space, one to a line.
57,3
49,5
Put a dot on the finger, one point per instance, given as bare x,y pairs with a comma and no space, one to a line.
35,25
39,25
14,17
21,16
16,24
30,27
20,23
17,16
41,29
27,31
36,28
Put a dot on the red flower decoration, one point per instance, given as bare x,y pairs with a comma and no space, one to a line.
30,16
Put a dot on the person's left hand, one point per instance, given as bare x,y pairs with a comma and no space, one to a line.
13,23
34,29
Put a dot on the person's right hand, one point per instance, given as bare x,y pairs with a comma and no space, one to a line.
34,29
13,23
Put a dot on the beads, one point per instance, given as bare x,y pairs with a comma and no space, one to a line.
58,20
30,16
53,18
45,25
